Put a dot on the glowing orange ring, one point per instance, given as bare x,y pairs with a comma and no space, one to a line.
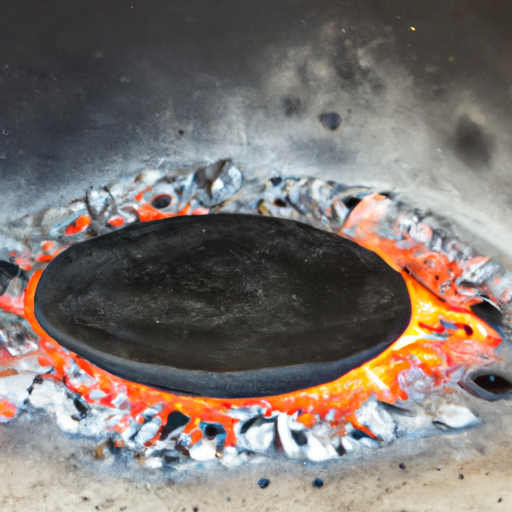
426,344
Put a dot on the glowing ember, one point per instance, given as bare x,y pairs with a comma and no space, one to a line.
443,344
77,226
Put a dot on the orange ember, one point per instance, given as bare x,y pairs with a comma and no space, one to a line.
78,226
7,410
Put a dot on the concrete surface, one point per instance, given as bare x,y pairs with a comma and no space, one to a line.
93,90
43,470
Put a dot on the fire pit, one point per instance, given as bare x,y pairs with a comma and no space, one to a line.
349,319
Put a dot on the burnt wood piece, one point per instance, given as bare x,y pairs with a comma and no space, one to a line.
223,305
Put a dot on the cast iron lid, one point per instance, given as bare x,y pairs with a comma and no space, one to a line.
223,305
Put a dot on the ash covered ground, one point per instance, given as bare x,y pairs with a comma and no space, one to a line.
42,469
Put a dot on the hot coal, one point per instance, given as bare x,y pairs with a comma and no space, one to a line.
223,305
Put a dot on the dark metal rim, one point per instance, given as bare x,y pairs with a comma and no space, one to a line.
243,384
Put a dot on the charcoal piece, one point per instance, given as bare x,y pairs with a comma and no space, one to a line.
82,407
317,483
489,313
330,120
8,271
263,483
162,201
299,437
211,431
223,305
175,420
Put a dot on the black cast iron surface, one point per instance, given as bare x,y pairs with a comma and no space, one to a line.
223,305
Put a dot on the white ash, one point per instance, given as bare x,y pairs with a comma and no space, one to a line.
376,419
15,388
205,449
257,435
454,416
148,431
